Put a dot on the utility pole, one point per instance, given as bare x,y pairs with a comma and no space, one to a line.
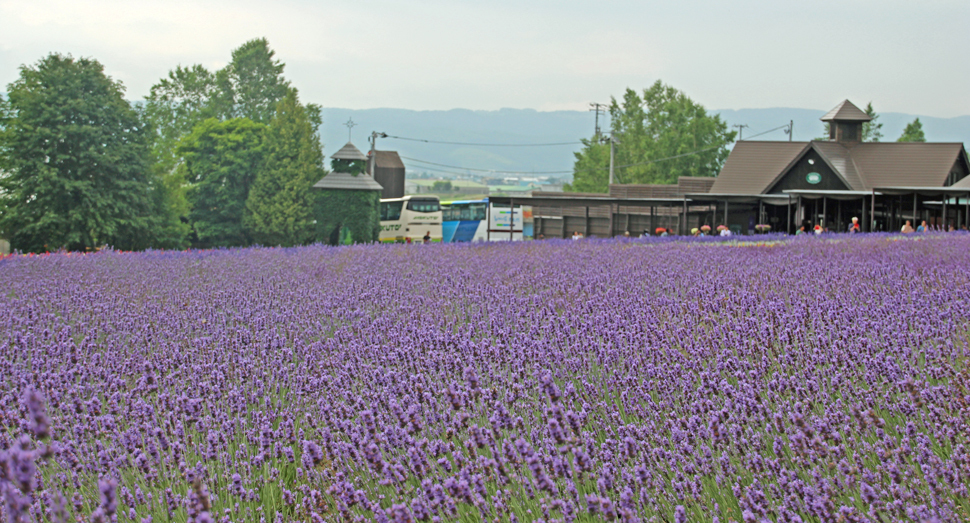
791,129
598,108
740,128
612,155
373,150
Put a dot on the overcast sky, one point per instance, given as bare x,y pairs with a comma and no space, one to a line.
904,56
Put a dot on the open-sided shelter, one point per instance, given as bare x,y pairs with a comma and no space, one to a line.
788,184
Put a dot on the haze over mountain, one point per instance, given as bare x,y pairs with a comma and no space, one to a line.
527,126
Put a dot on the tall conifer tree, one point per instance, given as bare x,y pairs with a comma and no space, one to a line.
280,204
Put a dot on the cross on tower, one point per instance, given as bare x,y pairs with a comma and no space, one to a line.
350,129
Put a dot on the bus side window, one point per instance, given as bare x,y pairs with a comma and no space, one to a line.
450,214
477,211
391,211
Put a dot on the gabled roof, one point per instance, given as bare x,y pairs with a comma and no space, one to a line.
839,159
752,166
964,183
389,160
349,152
348,182
894,164
846,112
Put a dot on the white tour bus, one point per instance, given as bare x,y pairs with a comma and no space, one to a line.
408,219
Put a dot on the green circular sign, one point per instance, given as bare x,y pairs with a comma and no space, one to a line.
813,178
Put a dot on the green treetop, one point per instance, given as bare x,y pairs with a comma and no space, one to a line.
913,132
252,84
661,135
75,160
871,130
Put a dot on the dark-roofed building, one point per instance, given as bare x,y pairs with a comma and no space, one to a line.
781,186
773,167
869,180
389,172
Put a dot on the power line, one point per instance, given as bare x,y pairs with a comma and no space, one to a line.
485,144
483,170
647,162
765,132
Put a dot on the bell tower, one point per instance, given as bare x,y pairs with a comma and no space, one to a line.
845,122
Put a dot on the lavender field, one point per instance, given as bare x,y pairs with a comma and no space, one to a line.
801,380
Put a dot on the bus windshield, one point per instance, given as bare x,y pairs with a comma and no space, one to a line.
391,211
423,205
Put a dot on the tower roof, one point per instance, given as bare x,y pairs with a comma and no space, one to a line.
846,112
349,152
348,182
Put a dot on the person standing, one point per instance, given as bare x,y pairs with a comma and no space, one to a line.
922,227
854,227
907,228
577,236
427,237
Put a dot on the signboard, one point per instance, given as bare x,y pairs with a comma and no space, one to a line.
500,218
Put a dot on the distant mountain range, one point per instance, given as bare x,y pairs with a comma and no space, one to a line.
527,126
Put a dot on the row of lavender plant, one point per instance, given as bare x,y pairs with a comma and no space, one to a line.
803,380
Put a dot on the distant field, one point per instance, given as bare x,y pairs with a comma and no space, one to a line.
787,380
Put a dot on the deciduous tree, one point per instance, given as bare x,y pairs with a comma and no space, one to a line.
221,160
662,135
252,84
75,161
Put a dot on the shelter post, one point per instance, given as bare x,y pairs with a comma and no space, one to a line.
726,214
915,218
511,218
838,221
683,229
788,215
946,198
966,211
865,219
825,212
872,214
586,221
488,224
611,220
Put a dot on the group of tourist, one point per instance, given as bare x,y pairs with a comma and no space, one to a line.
723,230
855,227
923,227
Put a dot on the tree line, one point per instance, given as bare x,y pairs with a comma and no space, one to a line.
209,159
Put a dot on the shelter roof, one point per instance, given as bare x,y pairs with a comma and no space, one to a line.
965,182
893,164
753,165
349,152
846,112
348,182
